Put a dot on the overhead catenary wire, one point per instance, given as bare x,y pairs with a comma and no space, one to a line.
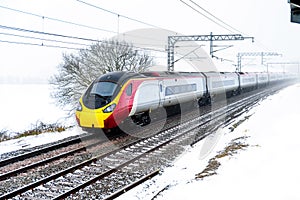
81,25
220,20
118,15
38,44
43,39
192,4
209,18
50,34
122,16
58,20
64,36
223,22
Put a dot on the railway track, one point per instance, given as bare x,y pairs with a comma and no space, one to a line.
33,153
21,167
107,175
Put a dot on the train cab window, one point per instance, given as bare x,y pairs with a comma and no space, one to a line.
104,89
129,90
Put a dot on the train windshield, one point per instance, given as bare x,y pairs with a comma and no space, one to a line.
104,89
99,94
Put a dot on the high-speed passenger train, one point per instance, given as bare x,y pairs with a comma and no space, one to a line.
116,96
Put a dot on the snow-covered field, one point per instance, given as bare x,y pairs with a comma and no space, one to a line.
22,105
266,169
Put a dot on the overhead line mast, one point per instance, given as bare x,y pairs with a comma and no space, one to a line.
285,63
261,54
174,39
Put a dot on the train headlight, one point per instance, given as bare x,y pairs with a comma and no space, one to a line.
109,108
79,107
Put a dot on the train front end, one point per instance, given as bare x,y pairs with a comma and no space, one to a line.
97,104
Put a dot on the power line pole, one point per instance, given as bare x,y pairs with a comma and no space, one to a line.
210,38
261,54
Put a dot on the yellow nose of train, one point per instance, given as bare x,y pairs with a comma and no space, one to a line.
94,118
89,118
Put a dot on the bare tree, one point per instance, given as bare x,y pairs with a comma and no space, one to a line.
76,72
115,56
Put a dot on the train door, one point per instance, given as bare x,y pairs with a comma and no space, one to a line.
128,98
161,93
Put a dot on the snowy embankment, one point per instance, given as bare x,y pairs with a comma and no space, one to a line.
265,166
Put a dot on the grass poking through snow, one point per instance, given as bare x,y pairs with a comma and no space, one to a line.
233,147
36,129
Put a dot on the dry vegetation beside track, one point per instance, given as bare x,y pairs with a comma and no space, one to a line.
232,148
37,128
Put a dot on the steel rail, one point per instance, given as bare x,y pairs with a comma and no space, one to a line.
132,185
56,175
115,169
45,161
41,151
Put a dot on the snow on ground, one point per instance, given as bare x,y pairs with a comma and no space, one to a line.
36,140
267,169
22,105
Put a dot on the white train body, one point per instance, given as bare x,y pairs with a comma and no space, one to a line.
135,95
167,91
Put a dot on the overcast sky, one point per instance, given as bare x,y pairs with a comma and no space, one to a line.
268,21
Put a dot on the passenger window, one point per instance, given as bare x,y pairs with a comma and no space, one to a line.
129,89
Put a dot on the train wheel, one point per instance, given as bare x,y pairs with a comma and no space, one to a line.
142,119
146,119
206,100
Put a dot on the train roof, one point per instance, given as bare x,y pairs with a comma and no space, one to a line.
169,74
118,76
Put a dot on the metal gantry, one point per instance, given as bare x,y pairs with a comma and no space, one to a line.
285,63
261,54
174,39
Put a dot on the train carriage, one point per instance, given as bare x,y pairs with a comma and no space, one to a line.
219,83
117,96
248,81
262,79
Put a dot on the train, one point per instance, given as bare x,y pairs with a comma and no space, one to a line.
116,96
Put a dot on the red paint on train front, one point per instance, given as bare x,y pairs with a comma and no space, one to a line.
124,106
